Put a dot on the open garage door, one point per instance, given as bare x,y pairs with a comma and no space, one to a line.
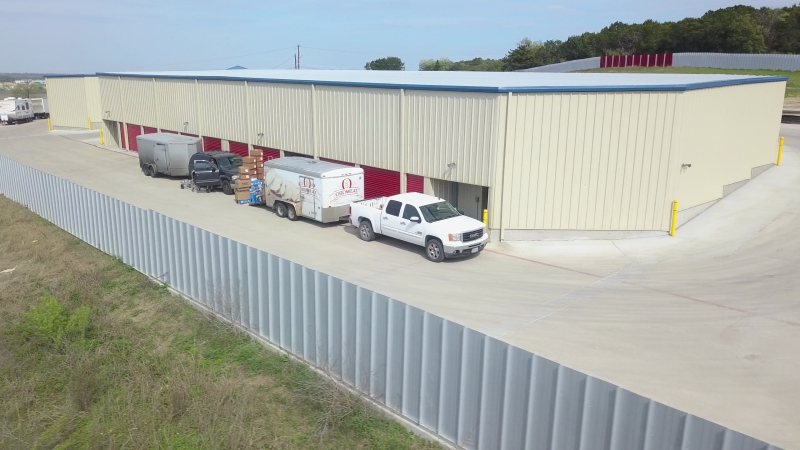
211,144
133,131
240,148
380,182
415,183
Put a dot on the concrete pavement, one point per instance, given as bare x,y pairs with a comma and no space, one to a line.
707,322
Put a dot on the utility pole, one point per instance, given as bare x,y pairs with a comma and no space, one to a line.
297,59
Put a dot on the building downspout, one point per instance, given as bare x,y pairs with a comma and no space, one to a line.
503,178
402,150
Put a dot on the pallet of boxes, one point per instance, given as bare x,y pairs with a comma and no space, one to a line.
250,185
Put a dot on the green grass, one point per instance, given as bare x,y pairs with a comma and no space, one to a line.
95,355
792,85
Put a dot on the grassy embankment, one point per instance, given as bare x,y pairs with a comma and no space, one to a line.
792,98
94,355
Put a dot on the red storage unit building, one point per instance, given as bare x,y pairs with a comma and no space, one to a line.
149,130
380,182
133,131
415,183
239,148
269,153
210,144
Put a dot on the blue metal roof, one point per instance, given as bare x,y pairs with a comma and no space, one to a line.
497,82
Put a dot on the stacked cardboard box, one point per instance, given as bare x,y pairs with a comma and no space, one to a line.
251,174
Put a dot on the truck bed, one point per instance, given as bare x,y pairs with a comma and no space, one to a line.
375,203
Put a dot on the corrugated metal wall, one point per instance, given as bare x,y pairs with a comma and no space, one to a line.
176,101
67,101
136,99
282,113
471,389
568,66
452,127
94,108
109,99
737,61
223,109
725,132
588,161
359,125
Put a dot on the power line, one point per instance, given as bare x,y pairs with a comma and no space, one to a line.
287,60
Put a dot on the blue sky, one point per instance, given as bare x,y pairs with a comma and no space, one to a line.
72,36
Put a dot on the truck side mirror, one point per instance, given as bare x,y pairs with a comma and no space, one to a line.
415,219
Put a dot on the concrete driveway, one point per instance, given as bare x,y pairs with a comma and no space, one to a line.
707,322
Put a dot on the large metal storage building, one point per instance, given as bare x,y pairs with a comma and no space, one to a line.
548,155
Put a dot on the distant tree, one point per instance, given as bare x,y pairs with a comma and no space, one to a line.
24,89
388,63
787,31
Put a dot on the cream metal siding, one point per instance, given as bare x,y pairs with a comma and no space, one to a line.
67,100
223,109
452,127
177,104
282,113
94,108
109,98
588,161
136,100
725,132
359,125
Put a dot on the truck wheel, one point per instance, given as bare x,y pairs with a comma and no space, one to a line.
226,188
365,231
146,170
153,172
280,209
291,213
434,250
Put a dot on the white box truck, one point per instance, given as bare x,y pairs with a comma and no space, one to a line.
297,187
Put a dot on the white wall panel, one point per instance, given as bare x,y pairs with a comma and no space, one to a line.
177,104
452,127
94,108
109,98
136,101
359,125
223,109
282,112
588,161
67,101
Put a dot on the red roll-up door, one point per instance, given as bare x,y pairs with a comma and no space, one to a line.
188,134
210,144
668,60
337,162
133,131
239,148
415,183
380,182
122,142
603,62
268,153
168,131
149,130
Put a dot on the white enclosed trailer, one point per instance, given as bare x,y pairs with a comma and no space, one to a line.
41,110
15,110
319,190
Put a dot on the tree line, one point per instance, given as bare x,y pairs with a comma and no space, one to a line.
738,29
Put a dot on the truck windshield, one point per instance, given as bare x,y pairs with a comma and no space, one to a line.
438,211
229,162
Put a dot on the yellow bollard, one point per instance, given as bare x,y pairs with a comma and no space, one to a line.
49,126
674,218
102,141
89,121
486,217
780,151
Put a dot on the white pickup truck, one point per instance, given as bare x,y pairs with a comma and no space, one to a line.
422,220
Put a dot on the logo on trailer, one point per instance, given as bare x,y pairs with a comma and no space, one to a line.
347,183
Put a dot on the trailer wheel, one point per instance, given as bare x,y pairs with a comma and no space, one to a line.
434,250
365,231
280,209
291,213
146,170
153,172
